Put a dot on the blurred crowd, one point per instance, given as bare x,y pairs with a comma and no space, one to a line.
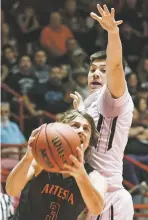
44,66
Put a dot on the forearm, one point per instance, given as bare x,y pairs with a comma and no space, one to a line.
93,200
29,105
19,176
114,48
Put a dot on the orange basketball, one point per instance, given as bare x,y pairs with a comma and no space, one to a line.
53,145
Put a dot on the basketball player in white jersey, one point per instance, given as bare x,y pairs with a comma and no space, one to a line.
111,107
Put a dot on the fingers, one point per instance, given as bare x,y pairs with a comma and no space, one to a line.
31,139
75,104
34,132
119,22
77,98
100,10
76,162
112,13
94,16
106,10
78,95
73,96
80,154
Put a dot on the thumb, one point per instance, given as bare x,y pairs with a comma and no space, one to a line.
119,22
94,16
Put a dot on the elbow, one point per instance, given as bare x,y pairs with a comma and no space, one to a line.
10,191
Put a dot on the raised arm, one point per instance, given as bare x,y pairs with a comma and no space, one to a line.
115,74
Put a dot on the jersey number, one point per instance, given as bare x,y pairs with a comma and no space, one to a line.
54,209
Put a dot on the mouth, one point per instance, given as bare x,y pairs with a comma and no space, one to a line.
96,83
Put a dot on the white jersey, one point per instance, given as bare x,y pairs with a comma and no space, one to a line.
113,118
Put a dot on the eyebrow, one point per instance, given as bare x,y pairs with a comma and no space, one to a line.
103,65
88,125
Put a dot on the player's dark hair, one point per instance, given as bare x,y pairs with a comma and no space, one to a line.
70,115
101,55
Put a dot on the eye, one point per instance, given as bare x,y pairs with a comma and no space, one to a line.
103,70
86,129
74,126
92,69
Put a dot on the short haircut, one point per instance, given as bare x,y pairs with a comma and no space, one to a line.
70,115
101,55
7,46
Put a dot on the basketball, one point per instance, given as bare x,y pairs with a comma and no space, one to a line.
53,144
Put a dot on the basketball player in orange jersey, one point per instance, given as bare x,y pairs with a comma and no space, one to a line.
111,107
64,196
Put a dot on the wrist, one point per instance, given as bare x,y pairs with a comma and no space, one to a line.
114,30
81,177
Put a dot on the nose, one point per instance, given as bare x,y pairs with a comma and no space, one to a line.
80,131
96,74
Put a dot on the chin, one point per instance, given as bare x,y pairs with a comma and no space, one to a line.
94,89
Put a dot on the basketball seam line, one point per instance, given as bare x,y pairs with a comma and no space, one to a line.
36,142
66,141
51,150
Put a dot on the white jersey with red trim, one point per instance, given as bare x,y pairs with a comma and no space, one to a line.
113,118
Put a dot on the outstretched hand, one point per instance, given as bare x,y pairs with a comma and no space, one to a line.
107,19
77,168
77,101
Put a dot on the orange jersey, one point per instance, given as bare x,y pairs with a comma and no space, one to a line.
56,38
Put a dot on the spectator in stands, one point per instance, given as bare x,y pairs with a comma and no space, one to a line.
53,37
137,149
78,59
65,72
27,20
50,96
138,136
142,71
143,93
66,103
71,45
74,17
43,95
4,72
80,77
6,207
7,38
10,131
41,67
132,83
23,82
9,61
130,37
142,107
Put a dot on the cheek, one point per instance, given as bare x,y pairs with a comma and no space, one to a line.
104,78
89,78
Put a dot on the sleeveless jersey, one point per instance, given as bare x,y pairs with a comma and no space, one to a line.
49,196
113,118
